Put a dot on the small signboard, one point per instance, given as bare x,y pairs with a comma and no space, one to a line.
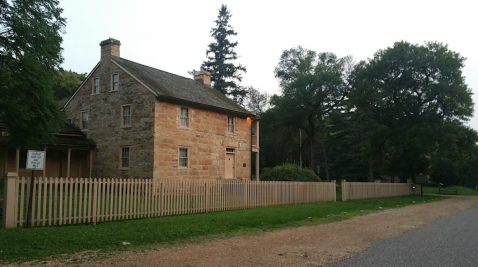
35,160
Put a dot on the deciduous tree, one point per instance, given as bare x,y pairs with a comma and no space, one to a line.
30,53
313,84
408,92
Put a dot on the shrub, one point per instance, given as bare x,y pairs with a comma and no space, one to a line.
288,172
443,171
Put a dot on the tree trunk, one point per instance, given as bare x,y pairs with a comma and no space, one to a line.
325,159
370,169
311,142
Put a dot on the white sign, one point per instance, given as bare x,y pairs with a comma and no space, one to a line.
35,160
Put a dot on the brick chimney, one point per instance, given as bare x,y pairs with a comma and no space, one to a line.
203,77
110,47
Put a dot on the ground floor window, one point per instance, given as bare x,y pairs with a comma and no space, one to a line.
125,157
183,157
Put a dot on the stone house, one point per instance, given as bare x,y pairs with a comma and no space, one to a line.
150,123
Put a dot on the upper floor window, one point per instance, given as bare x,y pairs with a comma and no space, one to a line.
126,115
84,120
230,124
96,85
125,157
183,157
115,82
185,117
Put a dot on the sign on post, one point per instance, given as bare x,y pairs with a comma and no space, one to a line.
35,160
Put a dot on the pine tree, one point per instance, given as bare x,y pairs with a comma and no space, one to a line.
225,75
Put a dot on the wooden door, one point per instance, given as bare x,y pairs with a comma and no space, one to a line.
230,166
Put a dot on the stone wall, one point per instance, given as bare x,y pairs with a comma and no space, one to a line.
104,125
206,139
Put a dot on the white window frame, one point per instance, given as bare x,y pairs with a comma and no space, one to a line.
125,157
113,82
184,120
186,162
96,89
124,116
230,124
82,121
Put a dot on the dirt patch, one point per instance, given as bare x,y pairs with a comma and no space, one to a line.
321,245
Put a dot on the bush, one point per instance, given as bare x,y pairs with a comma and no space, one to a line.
289,172
443,171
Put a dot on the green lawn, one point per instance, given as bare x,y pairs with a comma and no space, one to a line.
463,191
37,243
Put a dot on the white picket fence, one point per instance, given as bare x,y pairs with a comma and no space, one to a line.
357,190
60,201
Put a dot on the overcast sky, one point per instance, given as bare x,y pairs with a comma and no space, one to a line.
173,35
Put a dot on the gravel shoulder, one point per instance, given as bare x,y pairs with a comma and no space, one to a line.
320,245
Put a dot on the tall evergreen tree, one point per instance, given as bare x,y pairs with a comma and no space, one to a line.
220,54
30,53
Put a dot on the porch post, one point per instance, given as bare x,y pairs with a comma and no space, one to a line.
17,161
91,161
257,134
10,203
68,165
257,166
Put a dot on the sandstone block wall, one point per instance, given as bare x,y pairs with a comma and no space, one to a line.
206,139
105,128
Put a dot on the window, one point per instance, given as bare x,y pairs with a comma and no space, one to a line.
126,115
115,82
96,85
230,124
84,120
184,117
125,157
183,157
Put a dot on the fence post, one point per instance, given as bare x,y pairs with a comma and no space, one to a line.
335,190
95,200
344,190
10,203
206,196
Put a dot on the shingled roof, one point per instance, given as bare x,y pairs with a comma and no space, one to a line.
174,88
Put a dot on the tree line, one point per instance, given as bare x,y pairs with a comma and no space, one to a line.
401,113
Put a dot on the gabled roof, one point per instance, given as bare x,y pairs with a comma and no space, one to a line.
173,88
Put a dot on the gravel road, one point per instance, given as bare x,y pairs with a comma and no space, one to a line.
451,241
321,245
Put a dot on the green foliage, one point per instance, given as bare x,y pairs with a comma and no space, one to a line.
289,172
220,54
42,242
66,82
30,52
393,114
313,85
407,93
443,171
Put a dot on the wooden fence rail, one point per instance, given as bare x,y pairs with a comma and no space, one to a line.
60,201
355,190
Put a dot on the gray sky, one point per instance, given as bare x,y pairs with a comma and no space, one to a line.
173,35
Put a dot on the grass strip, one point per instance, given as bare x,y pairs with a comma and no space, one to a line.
38,243
462,191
